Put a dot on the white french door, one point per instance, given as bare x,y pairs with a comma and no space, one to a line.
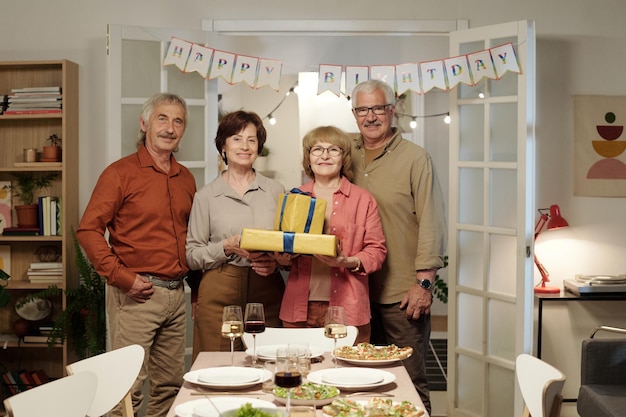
490,227
135,72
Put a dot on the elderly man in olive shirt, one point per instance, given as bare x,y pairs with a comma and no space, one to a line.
144,201
401,177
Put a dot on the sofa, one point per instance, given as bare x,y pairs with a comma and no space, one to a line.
602,390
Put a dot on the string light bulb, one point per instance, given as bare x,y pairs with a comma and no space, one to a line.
270,115
447,119
413,123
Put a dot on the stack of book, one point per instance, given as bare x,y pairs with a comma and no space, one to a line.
16,382
45,272
49,216
34,100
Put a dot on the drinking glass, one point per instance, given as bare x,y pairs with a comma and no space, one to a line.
287,373
335,326
254,322
232,327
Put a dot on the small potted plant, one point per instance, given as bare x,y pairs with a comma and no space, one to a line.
25,187
261,161
4,294
52,152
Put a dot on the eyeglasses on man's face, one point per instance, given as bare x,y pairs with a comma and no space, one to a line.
332,151
377,110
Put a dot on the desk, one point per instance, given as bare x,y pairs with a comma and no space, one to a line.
402,388
563,321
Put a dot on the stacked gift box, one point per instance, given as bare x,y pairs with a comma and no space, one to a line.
298,228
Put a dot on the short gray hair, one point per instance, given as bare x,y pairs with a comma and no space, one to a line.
155,101
369,86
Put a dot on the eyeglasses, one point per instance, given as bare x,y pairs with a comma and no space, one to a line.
332,151
378,110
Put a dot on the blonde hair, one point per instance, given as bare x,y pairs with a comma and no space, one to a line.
335,136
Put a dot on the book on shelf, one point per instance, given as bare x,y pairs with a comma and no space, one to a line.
33,90
33,111
53,216
34,105
51,271
20,231
40,376
35,338
46,279
46,265
35,98
27,379
10,382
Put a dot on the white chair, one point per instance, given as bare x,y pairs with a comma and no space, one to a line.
312,336
541,385
65,397
117,370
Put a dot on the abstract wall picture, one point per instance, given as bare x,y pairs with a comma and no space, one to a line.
600,142
5,205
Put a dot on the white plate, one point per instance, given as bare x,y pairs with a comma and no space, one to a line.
267,352
227,377
352,378
371,362
222,403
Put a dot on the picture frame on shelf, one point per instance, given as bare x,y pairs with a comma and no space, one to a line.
5,258
5,205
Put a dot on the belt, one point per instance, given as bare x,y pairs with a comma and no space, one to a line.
170,284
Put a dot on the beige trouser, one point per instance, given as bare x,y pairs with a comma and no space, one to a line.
232,285
159,326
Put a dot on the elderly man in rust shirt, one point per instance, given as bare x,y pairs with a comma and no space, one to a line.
144,200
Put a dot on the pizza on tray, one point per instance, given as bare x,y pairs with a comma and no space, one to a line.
367,351
375,407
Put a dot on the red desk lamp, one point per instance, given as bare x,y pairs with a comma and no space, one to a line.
553,221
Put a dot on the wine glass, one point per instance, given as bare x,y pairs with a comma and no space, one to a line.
287,373
335,326
232,327
254,322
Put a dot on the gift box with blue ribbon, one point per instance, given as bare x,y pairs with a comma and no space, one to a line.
298,212
275,241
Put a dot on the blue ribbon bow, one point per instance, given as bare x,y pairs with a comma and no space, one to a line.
309,218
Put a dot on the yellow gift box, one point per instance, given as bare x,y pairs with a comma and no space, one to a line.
300,213
275,241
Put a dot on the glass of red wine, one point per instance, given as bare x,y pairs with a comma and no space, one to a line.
253,323
287,373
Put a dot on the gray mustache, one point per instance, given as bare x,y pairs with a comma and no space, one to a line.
375,123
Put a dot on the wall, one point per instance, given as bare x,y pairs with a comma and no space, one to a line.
575,44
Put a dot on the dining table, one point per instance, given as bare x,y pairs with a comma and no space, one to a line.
401,389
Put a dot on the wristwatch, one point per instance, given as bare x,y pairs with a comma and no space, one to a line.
424,283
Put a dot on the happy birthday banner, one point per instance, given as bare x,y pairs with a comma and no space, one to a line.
422,77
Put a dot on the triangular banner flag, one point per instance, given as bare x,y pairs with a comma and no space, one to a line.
269,73
222,66
407,78
355,75
177,53
432,75
199,60
504,59
481,66
386,73
329,79
457,71
245,70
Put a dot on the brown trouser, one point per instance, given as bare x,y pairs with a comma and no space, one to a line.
232,285
159,326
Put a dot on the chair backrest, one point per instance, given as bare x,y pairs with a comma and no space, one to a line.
312,336
117,370
65,397
541,385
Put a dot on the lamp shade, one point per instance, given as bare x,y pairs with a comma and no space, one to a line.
556,221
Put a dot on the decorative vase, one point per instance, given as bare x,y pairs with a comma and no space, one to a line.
51,154
26,215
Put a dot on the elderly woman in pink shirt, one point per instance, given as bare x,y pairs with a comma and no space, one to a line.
315,282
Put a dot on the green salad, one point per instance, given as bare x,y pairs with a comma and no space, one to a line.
308,391
247,410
